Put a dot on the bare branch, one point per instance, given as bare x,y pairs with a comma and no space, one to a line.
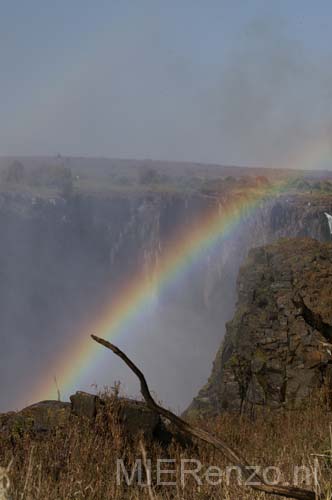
200,434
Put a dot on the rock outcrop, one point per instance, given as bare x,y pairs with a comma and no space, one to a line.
45,417
278,346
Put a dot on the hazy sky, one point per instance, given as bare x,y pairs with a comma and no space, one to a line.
219,81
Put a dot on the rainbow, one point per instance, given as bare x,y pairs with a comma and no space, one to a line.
134,298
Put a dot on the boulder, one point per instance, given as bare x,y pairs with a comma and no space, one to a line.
44,417
85,405
40,417
136,417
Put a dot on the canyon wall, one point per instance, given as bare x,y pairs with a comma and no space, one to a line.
60,257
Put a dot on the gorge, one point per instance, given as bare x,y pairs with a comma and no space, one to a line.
61,256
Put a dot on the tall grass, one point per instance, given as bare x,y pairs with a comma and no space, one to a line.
80,461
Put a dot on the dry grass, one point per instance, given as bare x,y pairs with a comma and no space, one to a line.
79,462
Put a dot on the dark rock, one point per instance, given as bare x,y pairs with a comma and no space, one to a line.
134,417
279,362
85,405
137,418
40,417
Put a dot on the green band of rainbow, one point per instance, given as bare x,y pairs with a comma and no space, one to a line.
133,299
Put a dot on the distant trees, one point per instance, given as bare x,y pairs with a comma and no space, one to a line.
311,185
54,176
148,175
57,177
220,185
151,176
262,180
14,173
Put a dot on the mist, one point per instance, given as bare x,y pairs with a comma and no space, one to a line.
62,263
224,84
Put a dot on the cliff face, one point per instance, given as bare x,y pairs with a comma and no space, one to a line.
278,346
286,216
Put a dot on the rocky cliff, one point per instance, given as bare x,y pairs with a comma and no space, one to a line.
278,346
60,258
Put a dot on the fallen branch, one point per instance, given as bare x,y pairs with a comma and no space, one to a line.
196,432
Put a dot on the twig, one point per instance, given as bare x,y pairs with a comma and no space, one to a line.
147,471
29,472
57,388
9,466
193,431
